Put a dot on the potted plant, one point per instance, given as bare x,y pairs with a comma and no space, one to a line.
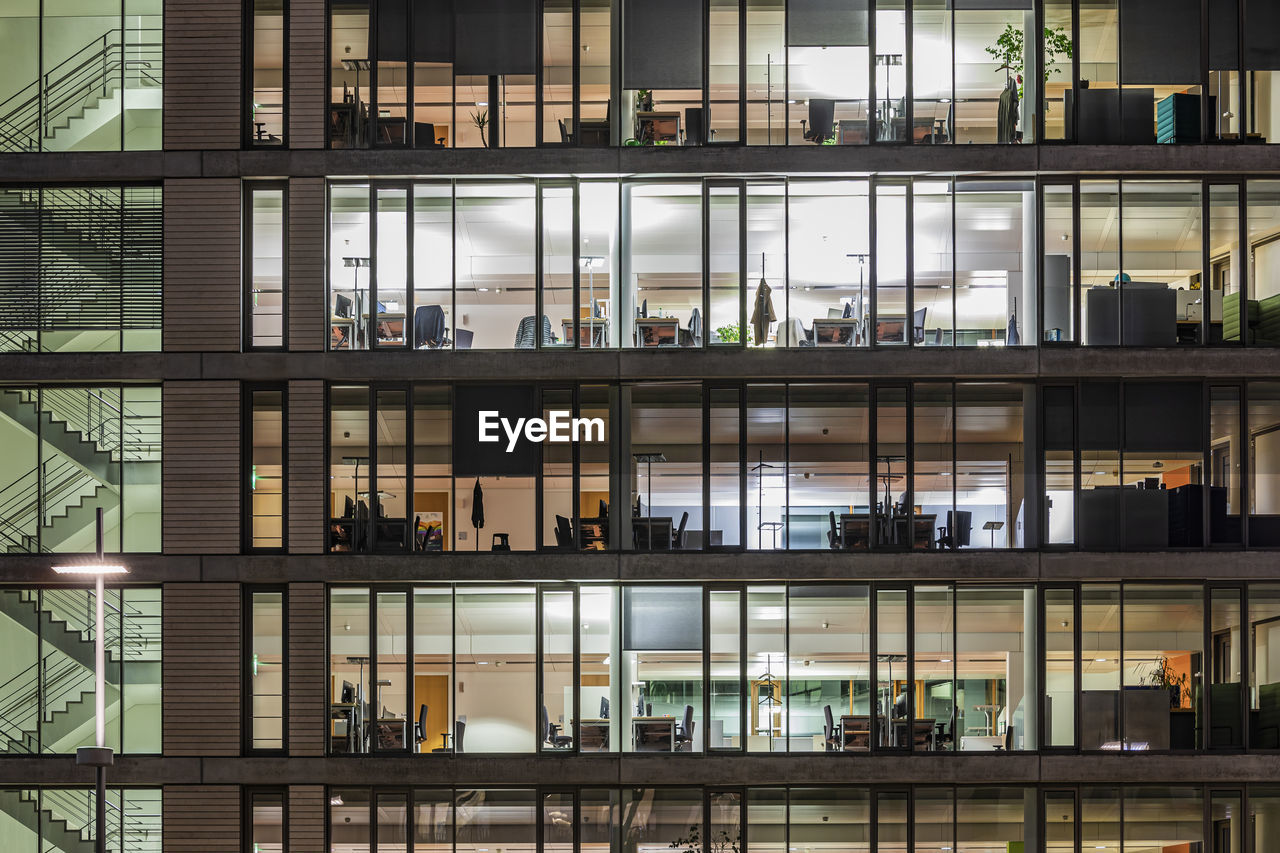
1010,50
731,334
480,118
1162,674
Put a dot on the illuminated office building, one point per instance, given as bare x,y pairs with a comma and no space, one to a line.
882,396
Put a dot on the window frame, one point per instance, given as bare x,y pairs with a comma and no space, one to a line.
247,716
250,189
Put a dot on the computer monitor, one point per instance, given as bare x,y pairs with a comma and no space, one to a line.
348,693
604,707
900,706
341,306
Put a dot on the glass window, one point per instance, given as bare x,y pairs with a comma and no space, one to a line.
726,468
1264,463
726,706
350,263
1163,660
1226,265
1058,408
662,266
1100,667
827,234
266,34
830,818
1162,252
1099,250
267,821
598,691
994,817
1264,255
349,828
942,679
767,820
671,817
662,654
387,496
266,469
1060,830
266,670
767,205
1151,817
829,665
494,688
766,466
995,279
433,312
557,715
266,261
598,260
1060,654
991,474
434,523
727,292
1058,237
494,246
828,479
767,122
934,275
1226,684
391,727
935,524
934,815
389,306
433,672
826,76
1264,682
666,465
889,261
349,670
890,522
768,721
892,694
1264,813
891,821
997,667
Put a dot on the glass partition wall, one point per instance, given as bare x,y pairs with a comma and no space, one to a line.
813,667
775,72
659,264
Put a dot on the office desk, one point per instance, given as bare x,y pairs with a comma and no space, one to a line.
593,332
593,735
657,332
346,736
855,732
835,333
392,732
651,534
389,328
654,126
344,326
593,533
654,734
855,530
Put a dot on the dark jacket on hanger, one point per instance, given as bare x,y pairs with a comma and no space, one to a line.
428,326
762,313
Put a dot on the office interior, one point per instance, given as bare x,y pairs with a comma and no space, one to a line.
970,818
765,72
802,667
831,466
656,264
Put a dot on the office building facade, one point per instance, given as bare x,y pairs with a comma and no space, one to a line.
623,426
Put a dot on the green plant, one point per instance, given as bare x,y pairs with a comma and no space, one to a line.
1162,674
719,842
1009,52
480,118
732,333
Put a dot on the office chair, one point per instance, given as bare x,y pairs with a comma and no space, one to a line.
917,326
525,332
830,733
677,541
1007,746
420,727
822,119
424,135
549,733
684,731
564,532
833,539
956,533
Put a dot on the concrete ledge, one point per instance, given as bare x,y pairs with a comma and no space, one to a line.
529,770
1022,364
1193,160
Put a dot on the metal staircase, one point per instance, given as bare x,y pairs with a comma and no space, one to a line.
97,267
85,436
64,818
62,106
50,703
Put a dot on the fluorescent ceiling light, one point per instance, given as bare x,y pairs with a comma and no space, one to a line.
91,570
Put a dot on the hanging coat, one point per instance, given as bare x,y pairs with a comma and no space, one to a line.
1007,118
762,314
477,506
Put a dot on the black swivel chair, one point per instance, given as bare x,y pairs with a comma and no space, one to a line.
420,727
1007,746
564,532
677,540
550,733
424,135
525,332
917,325
956,533
830,732
833,540
459,729
822,120
684,731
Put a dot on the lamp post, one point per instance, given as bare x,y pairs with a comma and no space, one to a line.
98,756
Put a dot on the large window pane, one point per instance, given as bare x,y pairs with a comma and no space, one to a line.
266,670
349,671
267,84
666,465
494,693
828,486
827,300
662,267
495,238
662,662
1162,253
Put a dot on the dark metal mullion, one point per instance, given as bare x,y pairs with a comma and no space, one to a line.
786,463
909,93
1206,286
369,741
705,130
410,282
1206,665
705,236
453,271
909,325
873,440
1077,638
410,742
371,278
873,647
742,103
577,677
873,281
707,391
540,479
539,661
742,477
1041,195
1206,420
575,228
539,279
1075,100
575,111
1121,715
707,634
909,736
742,270
575,499
910,453
872,128
538,92
1077,283
743,693
1206,116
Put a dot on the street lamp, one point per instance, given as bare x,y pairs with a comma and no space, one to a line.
98,756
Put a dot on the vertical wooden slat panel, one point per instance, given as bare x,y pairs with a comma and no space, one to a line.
307,669
201,683
308,105
201,479
201,819
202,74
308,479
202,280
307,300
306,819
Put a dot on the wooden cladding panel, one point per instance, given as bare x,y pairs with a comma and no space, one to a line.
308,479
307,101
307,229
201,480
202,674
306,819
202,280
202,74
201,819
307,669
